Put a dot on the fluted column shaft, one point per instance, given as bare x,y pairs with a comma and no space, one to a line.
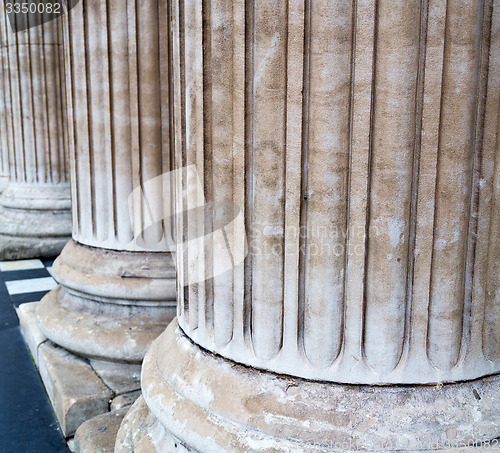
117,63
120,119
36,202
364,166
4,149
4,164
359,141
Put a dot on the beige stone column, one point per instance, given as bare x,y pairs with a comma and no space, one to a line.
4,168
35,205
360,142
117,275
4,150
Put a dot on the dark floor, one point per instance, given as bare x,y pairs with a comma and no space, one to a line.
27,423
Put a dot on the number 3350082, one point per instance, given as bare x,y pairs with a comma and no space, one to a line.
17,8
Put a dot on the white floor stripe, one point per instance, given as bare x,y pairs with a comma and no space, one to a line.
31,285
20,265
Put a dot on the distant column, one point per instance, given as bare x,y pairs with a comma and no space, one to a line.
117,275
35,205
359,141
4,168
4,149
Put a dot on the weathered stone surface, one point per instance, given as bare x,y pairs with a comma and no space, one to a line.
110,304
71,444
359,141
371,254
35,220
125,400
372,250
120,382
129,126
35,204
13,247
98,434
209,404
4,151
117,276
4,155
119,377
75,391
29,327
133,434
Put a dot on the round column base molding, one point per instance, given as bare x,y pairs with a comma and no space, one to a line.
36,196
23,247
101,331
33,234
35,220
32,223
200,402
110,305
116,276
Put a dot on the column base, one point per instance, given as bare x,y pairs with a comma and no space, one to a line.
110,305
35,221
78,389
136,427
99,433
201,402
33,234
20,248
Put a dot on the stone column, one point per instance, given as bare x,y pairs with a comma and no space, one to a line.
360,141
4,162
117,275
4,149
35,205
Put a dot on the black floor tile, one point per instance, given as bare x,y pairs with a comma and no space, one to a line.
8,317
22,298
27,422
48,262
25,274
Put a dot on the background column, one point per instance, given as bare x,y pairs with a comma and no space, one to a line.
117,275
4,149
360,141
35,205
4,168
